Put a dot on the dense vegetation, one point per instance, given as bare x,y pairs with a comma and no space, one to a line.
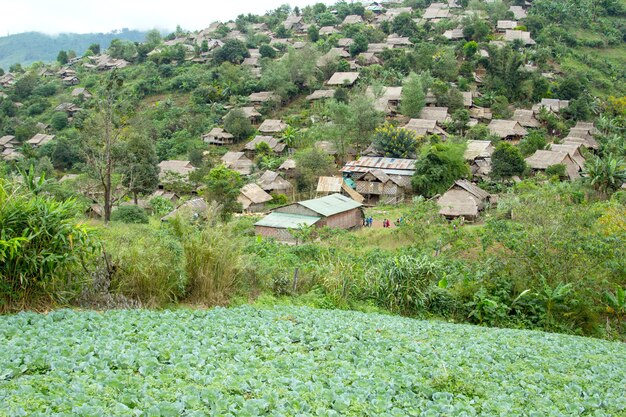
27,48
297,361
550,256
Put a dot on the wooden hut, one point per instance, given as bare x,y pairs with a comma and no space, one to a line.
463,199
542,160
252,198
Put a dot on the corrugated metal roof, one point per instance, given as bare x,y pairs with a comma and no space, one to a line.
390,166
330,205
286,220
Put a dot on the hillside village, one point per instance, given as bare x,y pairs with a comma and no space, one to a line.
303,121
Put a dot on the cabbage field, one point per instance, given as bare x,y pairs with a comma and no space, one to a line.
292,361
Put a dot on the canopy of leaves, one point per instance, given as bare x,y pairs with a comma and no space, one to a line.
438,167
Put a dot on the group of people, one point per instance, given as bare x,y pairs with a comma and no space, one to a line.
369,221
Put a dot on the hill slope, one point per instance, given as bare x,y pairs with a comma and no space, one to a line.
29,47
297,361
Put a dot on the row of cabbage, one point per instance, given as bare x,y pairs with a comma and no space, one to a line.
297,361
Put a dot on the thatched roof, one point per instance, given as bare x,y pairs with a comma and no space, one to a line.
275,144
423,127
463,199
272,126
453,34
40,139
480,113
288,165
250,112
375,48
572,149
321,94
552,104
252,194
328,30
387,93
440,114
263,96
526,118
434,12
183,168
518,12
541,160
586,126
343,78
352,19
344,42
506,24
506,128
237,161
272,181
391,166
218,136
395,40
192,208
589,142
478,149
292,21
514,35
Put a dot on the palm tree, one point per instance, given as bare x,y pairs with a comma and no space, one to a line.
606,174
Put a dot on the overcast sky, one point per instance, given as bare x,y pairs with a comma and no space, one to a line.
85,16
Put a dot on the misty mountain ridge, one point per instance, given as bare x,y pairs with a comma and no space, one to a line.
28,47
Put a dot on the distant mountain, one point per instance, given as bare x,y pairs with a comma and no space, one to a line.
26,48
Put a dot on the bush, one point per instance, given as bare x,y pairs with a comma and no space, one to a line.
130,215
395,142
42,246
147,264
557,170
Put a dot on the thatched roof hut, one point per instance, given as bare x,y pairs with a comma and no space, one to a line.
463,199
507,129
542,160
252,198
526,118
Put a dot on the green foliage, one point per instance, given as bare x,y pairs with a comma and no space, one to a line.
438,167
535,140
147,264
313,33
558,170
470,48
129,215
59,120
413,96
42,246
237,124
606,174
395,142
507,161
213,262
223,186
411,366
267,51
404,25
160,206
312,163
359,45
233,51
62,57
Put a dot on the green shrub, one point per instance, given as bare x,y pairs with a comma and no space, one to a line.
147,264
42,246
130,215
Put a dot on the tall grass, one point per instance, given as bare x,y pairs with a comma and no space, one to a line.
146,263
214,261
